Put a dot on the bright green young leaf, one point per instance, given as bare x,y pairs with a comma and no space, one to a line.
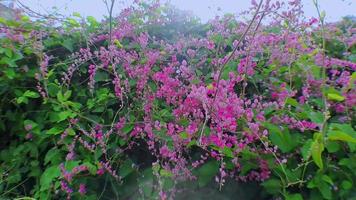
335,97
341,136
184,135
55,130
31,94
292,102
22,100
306,149
317,149
10,73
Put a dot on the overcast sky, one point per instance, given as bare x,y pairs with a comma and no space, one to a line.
205,9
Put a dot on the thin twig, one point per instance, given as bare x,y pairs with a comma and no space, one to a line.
323,89
110,10
237,46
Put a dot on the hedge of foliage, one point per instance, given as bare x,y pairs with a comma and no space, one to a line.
154,104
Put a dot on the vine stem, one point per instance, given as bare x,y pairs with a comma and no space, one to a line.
325,103
237,46
110,10
249,51
8,191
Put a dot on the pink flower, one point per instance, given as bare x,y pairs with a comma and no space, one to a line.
339,108
164,151
65,187
117,87
70,156
191,53
143,40
215,139
120,124
162,195
100,171
92,72
28,127
29,136
192,128
312,21
210,45
82,189
246,66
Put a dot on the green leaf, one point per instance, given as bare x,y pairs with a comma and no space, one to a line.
206,172
92,21
73,22
52,155
53,89
165,173
67,94
346,185
327,179
294,197
184,135
335,97
316,117
228,152
47,177
347,128
76,14
60,96
8,52
126,168
91,168
342,132
332,146
101,76
65,115
325,190
31,123
68,44
292,102
317,149
69,165
14,177
22,100
306,149
31,94
63,97
55,130
70,131
340,136
284,140
322,182
127,128
10,73
272,186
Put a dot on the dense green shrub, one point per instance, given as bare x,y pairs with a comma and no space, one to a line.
161,105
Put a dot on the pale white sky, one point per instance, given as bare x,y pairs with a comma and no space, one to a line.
205,9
